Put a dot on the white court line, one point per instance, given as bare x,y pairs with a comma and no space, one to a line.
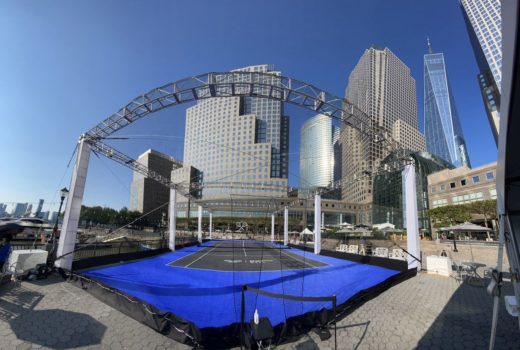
306,262
244,247
200,257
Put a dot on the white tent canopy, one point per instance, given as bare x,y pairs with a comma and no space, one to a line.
306,232
466,227
383,226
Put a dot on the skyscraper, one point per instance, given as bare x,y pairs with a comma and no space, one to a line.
19,210
484,24
318,143
146,194
444,136
381,86
239,144
38,212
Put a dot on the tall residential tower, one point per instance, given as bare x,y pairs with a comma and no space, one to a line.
484,25
444,136
381,86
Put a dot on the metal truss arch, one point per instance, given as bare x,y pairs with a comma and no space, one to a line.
252,84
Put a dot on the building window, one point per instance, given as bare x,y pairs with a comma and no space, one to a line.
443,188
452,184
463,182
493,193
489,175
433,189
476,179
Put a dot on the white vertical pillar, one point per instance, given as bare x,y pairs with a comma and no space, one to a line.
412,220
210,225
200,224
69,228
322,219
172,218
317,223
286,226
272,227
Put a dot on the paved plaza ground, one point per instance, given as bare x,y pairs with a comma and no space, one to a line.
425,312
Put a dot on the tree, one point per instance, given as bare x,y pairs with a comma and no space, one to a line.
449,215
486,208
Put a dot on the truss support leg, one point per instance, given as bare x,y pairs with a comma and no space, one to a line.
210,225
173,218
317,223
285,226
412,220
69,228
272,227
200,224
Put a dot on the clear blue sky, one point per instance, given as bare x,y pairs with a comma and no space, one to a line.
67,65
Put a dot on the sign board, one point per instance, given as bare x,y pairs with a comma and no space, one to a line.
439,265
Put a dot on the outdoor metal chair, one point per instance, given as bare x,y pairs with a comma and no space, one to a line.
461,272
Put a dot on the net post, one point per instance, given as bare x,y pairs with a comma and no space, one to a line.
285,226
317,223
210,225
272,227
172,219
199,228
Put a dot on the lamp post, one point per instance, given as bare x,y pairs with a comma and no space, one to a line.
454,243
63,194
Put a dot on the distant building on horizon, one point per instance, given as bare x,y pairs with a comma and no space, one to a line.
147,195
239,144
19,210
382,87
51,217
319,154
38,211
443,131
3,209
484,26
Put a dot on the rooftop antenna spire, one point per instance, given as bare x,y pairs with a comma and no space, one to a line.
429,45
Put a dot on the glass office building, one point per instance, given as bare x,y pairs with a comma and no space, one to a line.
483,23
388,204
318,154
239,144
444,136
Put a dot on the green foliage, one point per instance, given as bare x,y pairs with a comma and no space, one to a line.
456,214
487,208
449,215
108,216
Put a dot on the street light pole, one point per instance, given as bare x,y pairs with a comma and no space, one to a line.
63,194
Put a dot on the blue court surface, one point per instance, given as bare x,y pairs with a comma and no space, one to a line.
202,284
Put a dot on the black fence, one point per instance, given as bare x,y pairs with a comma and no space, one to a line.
97,249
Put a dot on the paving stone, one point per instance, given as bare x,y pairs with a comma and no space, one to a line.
426,312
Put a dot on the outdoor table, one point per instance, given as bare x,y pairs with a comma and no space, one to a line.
471,268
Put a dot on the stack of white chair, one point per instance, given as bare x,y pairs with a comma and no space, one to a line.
342,248
353,249
381,252
397,254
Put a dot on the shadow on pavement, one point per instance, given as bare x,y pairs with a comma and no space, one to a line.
465,322
53,328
